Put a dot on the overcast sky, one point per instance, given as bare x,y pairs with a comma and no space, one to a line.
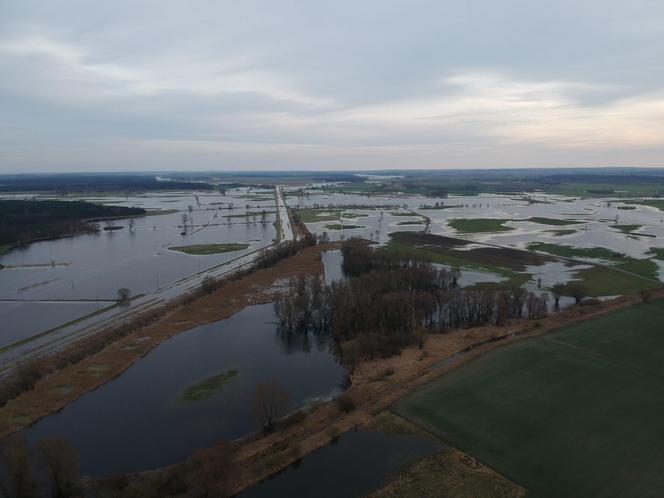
156,85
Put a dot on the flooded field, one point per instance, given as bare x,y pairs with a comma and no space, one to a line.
629,236
529,218
143,420
82,274
155,419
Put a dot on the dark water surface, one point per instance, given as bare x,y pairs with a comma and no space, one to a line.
358,463
140,421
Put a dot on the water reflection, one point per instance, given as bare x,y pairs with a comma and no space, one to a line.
358,463
140,421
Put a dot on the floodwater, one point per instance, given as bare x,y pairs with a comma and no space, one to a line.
23,319
358,463
333,261
139,420
78,274
594,230
332,265
90,268
596,216
469,277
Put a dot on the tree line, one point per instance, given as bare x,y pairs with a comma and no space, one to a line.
22,221
51,469
392,300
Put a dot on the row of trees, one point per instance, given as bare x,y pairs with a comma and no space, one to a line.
352,206
49,470
393,299
22,220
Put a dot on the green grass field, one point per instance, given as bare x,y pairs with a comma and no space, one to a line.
656,203
339,226
657,252
574,413
478,225
208,387
571,251
441,475
604,279
559,233
605,189
257,214
207,249
404,213
626,228
553,221
455,260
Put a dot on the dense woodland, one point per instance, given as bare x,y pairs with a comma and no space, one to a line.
393,300
93,183
22,221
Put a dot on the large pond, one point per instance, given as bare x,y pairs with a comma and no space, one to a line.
356,464
141,421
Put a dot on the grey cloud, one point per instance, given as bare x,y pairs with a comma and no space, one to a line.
374,83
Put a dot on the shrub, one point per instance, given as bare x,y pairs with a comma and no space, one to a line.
27,375
646,295
209,285
124,294
345,403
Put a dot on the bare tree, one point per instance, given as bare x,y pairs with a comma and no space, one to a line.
646,295
62,462
536,305
577,290
19,479
270,403
209,284
557,290
124,294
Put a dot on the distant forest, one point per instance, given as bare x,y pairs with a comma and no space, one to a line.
25,221
92,183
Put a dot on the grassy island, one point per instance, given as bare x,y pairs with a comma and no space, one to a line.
207,249
209,386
